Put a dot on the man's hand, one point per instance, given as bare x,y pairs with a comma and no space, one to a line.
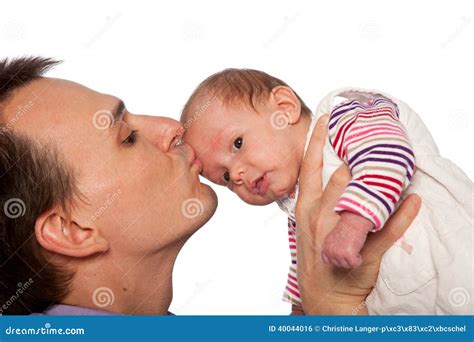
324,288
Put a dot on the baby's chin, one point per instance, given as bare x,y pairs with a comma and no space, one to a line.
269,198
274,193
258,201
284,190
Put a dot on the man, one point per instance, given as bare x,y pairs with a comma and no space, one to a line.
97,202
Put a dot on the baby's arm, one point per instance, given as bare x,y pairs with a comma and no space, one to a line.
373,142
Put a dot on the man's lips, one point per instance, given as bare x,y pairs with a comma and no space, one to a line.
188,153
198,164
260,185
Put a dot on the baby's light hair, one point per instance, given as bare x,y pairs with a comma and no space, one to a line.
233,87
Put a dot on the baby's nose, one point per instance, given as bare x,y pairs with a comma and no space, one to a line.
237,175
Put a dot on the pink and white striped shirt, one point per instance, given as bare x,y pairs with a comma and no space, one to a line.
369,138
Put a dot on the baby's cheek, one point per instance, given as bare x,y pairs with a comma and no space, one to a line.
285,181
239,192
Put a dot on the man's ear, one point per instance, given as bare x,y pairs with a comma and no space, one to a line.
57,234
286,101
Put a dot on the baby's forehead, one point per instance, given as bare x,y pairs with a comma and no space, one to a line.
212,136
214,126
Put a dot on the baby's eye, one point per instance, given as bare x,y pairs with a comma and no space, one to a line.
226,177
238,143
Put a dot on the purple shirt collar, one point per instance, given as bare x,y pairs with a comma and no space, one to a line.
72,310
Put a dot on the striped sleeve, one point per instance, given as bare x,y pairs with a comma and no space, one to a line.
292,291
370,138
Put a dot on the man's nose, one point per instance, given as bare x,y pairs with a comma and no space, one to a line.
163,132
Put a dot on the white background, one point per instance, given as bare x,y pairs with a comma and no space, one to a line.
152,54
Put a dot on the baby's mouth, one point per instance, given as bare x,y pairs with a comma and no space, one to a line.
260,185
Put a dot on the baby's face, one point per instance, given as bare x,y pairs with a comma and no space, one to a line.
242,150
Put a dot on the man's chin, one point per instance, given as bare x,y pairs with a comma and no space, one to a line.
209,200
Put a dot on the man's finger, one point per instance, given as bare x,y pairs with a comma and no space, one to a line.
312,165
316,143
336,186
334,189
378,243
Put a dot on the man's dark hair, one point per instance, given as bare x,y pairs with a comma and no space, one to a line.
33,179
17,72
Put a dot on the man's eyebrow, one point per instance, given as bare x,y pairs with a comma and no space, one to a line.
117,113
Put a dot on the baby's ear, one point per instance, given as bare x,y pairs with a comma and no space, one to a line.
284,99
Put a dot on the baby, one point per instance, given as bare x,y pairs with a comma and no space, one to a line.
250,130
252,140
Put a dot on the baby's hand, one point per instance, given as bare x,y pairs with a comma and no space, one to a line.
342,245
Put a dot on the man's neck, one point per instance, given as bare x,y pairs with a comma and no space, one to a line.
131,286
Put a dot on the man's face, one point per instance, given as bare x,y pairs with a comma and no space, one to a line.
138,188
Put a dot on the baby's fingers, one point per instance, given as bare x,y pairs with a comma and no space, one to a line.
354,261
